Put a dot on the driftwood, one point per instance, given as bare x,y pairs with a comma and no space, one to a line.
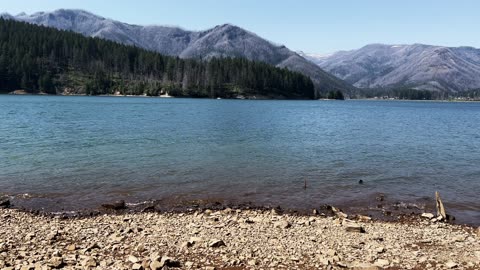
440,208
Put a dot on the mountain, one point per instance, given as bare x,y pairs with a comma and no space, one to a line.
419,66
221,41
43,59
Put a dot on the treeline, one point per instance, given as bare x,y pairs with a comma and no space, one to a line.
37,58
335,95
415,94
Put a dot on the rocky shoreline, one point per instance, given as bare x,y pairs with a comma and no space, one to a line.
233,239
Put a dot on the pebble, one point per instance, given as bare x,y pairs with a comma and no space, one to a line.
451,264
55,262
137,266
133,259
352,227
153,241
428,215
156,265
169,262
382,262
216,243
282,224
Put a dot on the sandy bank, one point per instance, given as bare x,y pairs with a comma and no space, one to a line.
231,239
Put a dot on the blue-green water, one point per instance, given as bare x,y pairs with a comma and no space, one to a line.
76,152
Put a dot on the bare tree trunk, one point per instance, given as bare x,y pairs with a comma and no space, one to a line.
440,208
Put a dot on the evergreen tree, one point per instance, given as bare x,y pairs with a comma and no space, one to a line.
37,58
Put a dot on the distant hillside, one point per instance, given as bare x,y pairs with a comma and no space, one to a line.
221,41
417,66
37,58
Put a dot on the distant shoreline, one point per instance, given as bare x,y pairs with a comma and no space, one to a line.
247,98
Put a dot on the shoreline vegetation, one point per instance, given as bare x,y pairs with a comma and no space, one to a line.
234,239
166,95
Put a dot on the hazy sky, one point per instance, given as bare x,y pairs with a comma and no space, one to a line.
313,26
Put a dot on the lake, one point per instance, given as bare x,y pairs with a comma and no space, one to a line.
73,152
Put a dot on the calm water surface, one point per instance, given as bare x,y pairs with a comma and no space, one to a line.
76,152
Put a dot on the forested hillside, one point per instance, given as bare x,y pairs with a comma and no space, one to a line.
41,59
224,40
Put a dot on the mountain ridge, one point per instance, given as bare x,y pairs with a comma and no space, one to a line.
418,66
224,40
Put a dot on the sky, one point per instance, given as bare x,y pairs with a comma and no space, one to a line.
312,26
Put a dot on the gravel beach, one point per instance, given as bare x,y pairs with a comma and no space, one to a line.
232,239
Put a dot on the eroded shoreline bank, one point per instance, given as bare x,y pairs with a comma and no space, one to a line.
232,239
379,206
